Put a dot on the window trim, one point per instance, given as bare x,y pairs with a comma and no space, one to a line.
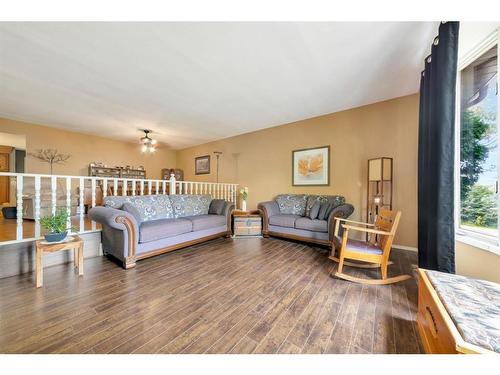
473,238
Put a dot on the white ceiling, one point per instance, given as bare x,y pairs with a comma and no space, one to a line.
196,82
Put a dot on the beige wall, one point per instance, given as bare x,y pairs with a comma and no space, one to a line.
475,262
85,149
261,160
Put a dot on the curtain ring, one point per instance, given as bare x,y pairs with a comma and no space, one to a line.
429,59
423,74
436,41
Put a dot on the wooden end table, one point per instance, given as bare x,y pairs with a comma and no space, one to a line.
72,242
247,224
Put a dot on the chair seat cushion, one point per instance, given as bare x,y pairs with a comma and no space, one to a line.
362,247
157,229
284,220
312,225
201,222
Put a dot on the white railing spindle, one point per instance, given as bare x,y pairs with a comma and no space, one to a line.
81,195
133,187
115,187
53,187
172,184
82,209
37,205
104,188
19,197
124,187
68,202
93,192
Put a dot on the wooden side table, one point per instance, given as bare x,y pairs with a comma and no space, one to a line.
73,242
247,224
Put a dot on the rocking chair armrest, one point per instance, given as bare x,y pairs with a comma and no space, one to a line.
367,230
353,221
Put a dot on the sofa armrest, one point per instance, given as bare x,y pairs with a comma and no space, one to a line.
228,212
228,209
112,221
112,217
343,211
267,209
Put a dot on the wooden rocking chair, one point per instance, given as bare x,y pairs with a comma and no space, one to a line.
376,251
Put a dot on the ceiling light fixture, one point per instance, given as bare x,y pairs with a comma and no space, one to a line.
148,144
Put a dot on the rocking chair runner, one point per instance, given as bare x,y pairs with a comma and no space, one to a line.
376,251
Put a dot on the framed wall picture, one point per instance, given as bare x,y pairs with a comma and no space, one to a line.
311,166
202,165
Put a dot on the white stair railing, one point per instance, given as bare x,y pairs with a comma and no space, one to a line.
33,188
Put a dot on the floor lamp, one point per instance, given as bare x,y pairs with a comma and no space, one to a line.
217,155
379,187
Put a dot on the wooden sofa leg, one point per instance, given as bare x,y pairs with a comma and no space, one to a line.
265,234
129,263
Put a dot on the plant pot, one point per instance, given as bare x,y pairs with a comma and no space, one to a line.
243,205
55,237
9,212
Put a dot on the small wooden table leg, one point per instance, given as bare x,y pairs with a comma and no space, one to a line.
80,259
74,243
39,267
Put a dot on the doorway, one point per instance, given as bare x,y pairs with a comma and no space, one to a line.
5,152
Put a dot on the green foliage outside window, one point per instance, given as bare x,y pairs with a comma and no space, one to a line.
479,205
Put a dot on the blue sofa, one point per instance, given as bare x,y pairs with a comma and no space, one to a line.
288,216
138,227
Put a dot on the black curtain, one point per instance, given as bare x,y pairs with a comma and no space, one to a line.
436,150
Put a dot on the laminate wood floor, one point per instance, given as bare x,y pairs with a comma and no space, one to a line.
225,296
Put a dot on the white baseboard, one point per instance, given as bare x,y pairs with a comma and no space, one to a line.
408,248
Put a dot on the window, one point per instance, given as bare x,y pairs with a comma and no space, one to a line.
479,140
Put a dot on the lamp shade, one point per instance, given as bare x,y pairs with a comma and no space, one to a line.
375,170
379,169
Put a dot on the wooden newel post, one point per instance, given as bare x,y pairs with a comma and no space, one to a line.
172,184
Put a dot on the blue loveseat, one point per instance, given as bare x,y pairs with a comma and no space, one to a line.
289,216
138,227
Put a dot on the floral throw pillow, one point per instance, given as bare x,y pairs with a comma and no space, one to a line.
293,204
336,200
149,207
190,205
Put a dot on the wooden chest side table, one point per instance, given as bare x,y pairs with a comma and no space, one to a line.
73,242
247,224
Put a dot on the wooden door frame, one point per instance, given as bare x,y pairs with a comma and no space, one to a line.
7,150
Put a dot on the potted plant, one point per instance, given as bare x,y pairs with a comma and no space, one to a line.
56,226
244,196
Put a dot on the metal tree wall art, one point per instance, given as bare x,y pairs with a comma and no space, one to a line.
50,156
